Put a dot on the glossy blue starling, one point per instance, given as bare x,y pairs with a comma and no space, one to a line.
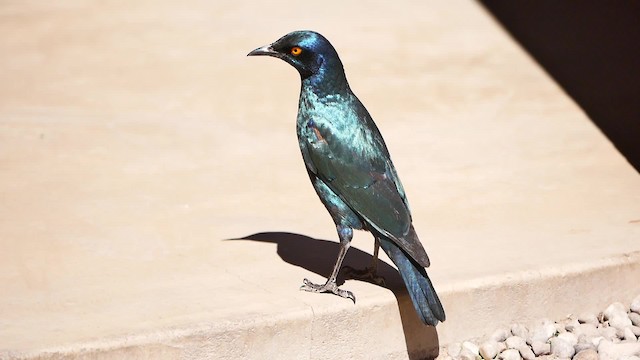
351,170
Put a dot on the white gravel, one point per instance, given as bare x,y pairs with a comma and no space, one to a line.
613,334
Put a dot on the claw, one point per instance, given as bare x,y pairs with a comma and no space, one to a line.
330,287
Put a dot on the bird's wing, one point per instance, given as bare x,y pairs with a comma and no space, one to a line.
355,164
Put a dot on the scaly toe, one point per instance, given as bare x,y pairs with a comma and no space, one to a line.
311,287
329,287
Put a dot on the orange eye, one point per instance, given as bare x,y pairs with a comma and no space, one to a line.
295,51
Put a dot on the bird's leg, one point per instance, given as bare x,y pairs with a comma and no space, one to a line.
345,234
370,273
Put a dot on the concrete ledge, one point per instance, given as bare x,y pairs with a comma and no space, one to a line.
483,305
477,307
137,140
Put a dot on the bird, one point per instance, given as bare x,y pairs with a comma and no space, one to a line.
351,170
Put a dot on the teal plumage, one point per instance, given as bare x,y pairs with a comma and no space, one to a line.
351,169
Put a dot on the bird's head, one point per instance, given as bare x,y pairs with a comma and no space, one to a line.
307,51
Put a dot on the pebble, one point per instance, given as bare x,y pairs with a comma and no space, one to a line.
489,349
526,352
540,348
588,319
635,305
620,322
519,330
596,340
580,346
510,354
615,309
589,330
454,349
609,350
572,325
500,335
588,354
570,338
466,354
629,335
611,334
542,332
561,348
559,328
473,348
616,315
515,342
518,343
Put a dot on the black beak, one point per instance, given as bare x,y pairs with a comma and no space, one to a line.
264,50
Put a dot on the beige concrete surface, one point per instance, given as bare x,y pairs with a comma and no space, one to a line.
136,139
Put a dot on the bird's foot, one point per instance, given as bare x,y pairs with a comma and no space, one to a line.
368,274
330,287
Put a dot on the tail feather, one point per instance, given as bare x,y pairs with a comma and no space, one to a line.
423,295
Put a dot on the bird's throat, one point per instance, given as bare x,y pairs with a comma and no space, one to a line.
325,83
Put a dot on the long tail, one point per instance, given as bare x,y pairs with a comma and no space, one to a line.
423,295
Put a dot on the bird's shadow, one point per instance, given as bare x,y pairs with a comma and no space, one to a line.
318,256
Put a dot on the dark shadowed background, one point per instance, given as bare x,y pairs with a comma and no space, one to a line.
591,48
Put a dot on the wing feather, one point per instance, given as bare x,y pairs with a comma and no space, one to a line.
357,167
